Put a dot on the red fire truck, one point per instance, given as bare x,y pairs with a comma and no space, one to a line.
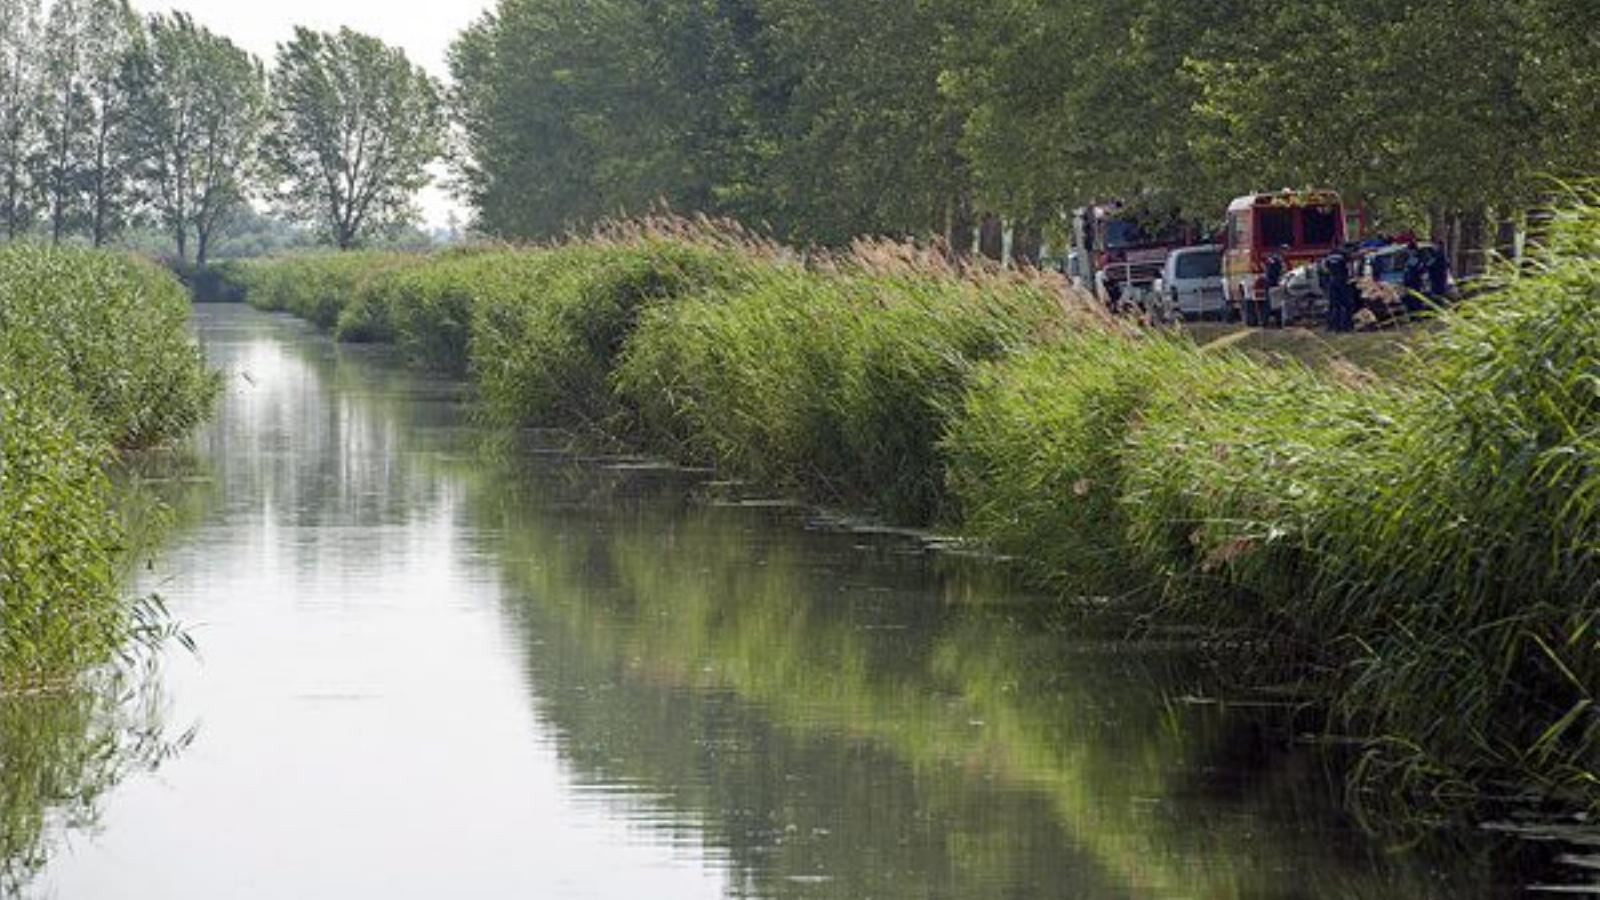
1126,246
1300,227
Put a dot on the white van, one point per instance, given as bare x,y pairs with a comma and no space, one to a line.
1191,283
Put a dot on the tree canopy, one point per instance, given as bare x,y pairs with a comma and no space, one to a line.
198,107
112,125
816,120
835,118
354,127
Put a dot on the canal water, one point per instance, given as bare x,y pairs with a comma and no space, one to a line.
430,668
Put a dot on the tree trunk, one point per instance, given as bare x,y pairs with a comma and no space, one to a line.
12,190
1505,238
98,227
1472,241
958,228
1439,226
1450,241
99,219
58,208
100,203
58,189
55,207
992,237
1026,242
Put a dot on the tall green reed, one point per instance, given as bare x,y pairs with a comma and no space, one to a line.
95,356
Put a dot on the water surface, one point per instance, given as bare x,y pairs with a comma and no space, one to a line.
431,670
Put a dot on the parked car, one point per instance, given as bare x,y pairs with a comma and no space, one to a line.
1386,264
1191,283
1381,276
1302,295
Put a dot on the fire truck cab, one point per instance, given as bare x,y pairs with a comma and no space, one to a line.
1125,247
1300,227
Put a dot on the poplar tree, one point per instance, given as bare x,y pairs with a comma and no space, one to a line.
83,110
20,63
354,127
113,40
198,105
64,109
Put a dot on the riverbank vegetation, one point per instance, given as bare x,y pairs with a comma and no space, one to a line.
1425,550
95,359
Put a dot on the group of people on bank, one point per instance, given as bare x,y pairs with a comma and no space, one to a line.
1371,277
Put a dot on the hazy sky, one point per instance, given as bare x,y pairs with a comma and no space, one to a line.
424,29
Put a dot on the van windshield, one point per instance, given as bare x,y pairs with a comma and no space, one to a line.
1277,226
1204,264
1320,225
1125,233
1131,232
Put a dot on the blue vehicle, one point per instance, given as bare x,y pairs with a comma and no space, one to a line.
1382,279
1387,264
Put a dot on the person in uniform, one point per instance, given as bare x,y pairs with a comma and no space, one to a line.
1273,278
1439,276
1412,280
1341,302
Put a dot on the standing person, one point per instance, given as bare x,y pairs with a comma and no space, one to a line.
1273,277
1113,289
1341,312
1439,276
1412,280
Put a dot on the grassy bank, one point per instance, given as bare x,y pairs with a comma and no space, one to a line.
95,358
833,378
1425,548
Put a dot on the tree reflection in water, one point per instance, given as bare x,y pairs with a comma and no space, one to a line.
844,719
62,752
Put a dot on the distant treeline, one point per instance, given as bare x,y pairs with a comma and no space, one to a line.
110,122
829,119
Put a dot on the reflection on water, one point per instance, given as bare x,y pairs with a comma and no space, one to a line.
60,753
431,671
845,720
63,750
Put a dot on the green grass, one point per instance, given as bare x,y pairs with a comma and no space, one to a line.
1386,351
1040,455
837,384
1420,544
316,287
95,357
1430,545
1469,569
543,353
